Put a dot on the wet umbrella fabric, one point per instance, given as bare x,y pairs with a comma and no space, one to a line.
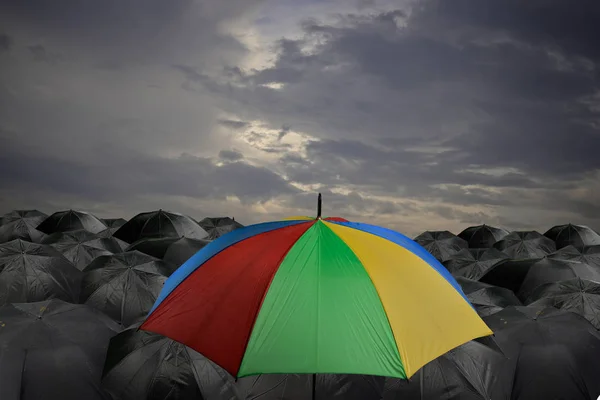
71,220
81,247
443,245
589,255
145,366
576,295
487,299
218,226
525,244
180,251
32,272
472,371
159,224
54,350
555,354
474,263
155,247
114,222
482,236
21,224
570,234
124,286
524,276
326,272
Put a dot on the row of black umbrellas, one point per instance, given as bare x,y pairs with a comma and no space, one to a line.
74,288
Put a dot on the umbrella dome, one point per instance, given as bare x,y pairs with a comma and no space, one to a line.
315,296
571,234
71,220
159,224
443,245
525,244
21,224
145,366
218,226
32,272
577,295
474,263
482,236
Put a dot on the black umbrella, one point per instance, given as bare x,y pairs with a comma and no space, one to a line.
487,299
299,387
53,350
114,222
108,233
218,226
472,371
124,286
81,247
21,224
554,354
159,224
145,366
155,247
474,263
589,255
32,272
443,245
525,244
482,236
570,234
524,276
181,250
577,295
71,220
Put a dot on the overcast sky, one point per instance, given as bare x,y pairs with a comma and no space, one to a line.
415,115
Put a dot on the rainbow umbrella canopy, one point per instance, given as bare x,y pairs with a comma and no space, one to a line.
314,296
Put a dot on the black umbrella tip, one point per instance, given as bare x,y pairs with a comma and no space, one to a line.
319,203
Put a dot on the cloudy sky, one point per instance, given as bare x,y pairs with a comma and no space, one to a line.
411,114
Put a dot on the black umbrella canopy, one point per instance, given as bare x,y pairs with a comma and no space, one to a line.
145,366
300,387
108,233
525,244
21,224
577,295
482,236
180,251
155,247
555,354
589,255
124,286
71,220
218,226
474,263
159,224
524,276
81,247
443,245
472,371
487,299
31,272
571,234
53,350
114,222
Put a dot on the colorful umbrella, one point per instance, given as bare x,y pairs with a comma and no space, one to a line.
315,296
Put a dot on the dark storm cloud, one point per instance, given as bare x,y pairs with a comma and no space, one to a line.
230,155
184,176
573,29
5,42
500,86
233,124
